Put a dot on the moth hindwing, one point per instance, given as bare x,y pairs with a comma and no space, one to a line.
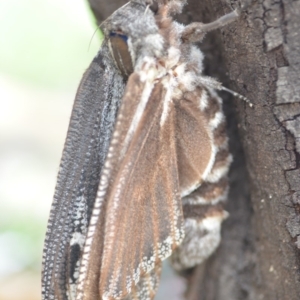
144,169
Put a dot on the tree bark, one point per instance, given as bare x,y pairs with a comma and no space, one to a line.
258,56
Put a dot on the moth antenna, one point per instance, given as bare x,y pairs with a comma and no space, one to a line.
98,27
222,88
215,84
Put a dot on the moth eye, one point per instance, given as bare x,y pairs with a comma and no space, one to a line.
120,52
154,7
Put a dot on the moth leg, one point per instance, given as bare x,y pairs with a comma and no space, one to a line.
195,32
203,208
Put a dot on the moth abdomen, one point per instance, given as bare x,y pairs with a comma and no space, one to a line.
203,207
208,193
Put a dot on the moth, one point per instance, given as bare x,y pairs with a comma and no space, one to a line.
143,174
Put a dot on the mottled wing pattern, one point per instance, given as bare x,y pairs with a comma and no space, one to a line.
147,287
85,149
139,194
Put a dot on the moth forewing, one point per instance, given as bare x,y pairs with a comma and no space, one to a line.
95,109
133,196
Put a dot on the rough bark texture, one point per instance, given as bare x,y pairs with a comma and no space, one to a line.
259,57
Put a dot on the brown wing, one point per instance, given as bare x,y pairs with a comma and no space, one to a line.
139,194
194,147
147,286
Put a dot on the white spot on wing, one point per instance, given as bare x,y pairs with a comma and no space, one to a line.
77,238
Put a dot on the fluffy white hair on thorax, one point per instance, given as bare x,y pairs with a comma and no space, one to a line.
189,80
180,70
155,42
147,70
196,57
177,30
151,46
173,57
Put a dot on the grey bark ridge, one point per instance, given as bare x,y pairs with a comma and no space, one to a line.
258,56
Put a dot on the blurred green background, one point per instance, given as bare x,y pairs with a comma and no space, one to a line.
45,49
44,52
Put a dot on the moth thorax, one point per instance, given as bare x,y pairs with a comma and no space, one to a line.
119,50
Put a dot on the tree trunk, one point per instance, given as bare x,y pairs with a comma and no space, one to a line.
258,56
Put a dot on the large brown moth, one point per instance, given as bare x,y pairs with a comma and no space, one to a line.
143,174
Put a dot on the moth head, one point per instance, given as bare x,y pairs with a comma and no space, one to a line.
132,34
